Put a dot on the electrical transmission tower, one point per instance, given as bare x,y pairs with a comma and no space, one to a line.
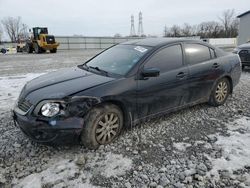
140,28
132,29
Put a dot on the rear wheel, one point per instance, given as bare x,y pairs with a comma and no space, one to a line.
18,49
103,125
220,92
53,50
28,48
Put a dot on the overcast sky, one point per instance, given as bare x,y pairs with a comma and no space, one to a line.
108,17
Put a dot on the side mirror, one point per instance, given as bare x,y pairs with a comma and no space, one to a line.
150,72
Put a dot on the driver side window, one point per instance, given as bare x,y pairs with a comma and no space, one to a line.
166,59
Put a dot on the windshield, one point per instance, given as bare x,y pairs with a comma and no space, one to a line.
118,59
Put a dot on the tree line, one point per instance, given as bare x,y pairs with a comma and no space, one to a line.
226,27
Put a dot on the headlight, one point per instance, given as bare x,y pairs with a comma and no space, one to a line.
50,109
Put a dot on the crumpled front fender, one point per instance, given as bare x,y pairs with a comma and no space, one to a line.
80,105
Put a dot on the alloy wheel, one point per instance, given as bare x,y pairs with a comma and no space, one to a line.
107,128
221,91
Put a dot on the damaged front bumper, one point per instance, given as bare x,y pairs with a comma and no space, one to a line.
54,131
65,127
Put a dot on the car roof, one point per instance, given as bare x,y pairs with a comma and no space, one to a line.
154,42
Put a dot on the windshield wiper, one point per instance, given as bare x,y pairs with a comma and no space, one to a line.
85,66
98,69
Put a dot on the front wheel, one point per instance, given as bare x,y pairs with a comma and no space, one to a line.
18,49
102,126
53,50
220,92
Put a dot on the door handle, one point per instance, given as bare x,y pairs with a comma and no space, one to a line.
181,75
215,65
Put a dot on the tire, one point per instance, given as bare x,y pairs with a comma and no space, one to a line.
102,126
220,92
53,50
28,48
42,50
3,50
37,48
243,67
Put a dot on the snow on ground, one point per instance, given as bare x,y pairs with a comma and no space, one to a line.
115,165
63,172
235,148
10,87
70,173
181,146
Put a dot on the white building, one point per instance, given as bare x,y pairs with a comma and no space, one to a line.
244,29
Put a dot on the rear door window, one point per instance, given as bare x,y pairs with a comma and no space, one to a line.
196,53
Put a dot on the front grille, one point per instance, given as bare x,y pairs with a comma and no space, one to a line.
24,105
50,39
243,52
244,55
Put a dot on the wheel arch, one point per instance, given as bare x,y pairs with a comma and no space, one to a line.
211,99
126,115
228,77
230,82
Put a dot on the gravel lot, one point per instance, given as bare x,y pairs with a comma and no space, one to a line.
21,63
200,146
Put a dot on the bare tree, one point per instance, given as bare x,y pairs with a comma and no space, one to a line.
14,27
165,32
194,30
234,28
186,30
228,21
210,29
24,33
226,27
175,31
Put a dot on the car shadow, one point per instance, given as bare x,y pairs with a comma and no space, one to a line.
246,69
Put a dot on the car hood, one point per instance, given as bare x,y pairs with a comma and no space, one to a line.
61,83
244,46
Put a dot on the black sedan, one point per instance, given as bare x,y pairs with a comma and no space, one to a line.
244,52
123,85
